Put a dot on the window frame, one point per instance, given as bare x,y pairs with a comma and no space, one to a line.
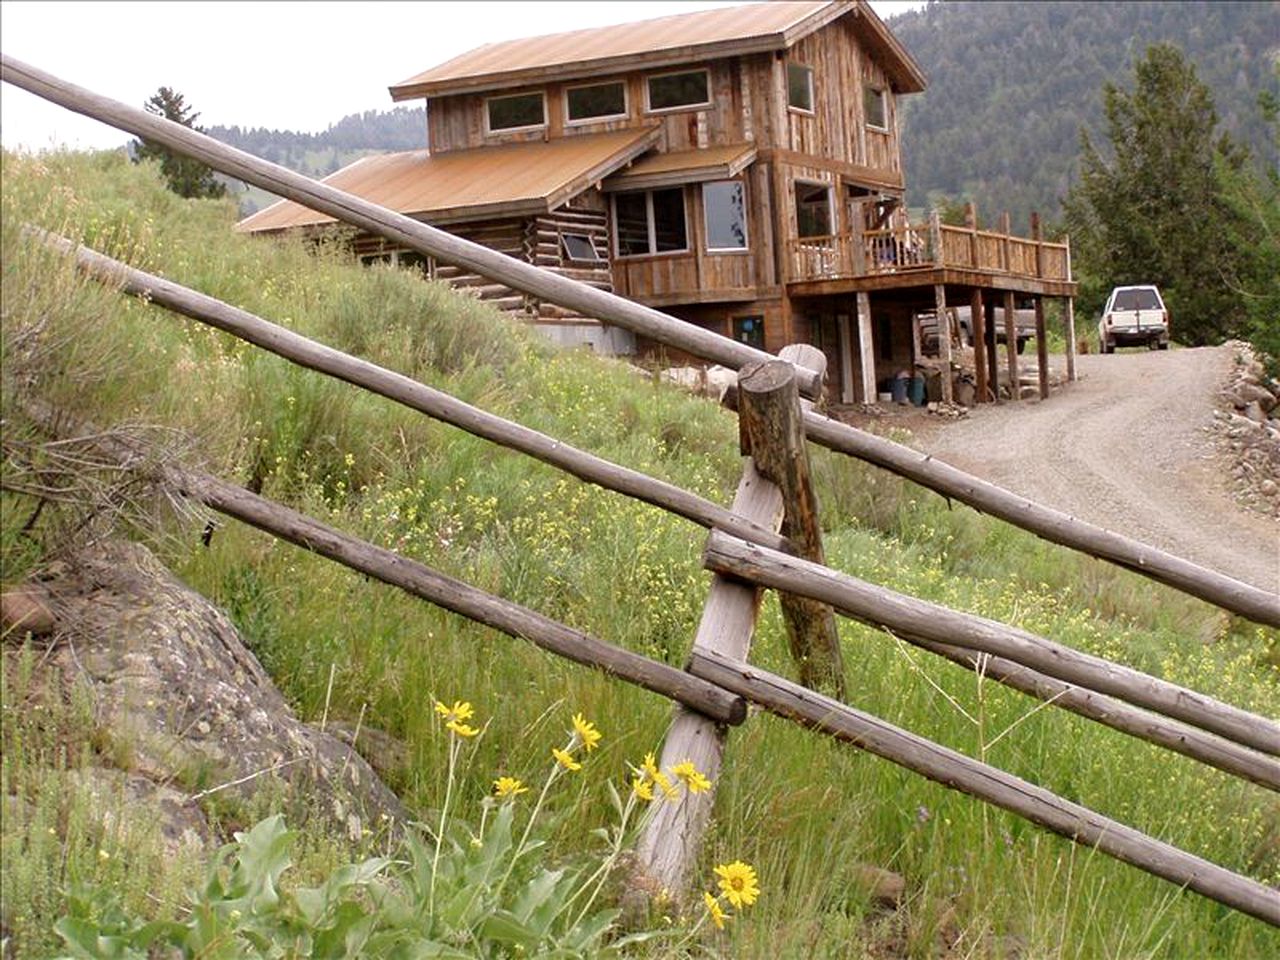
756,319
586,237
831,207
883,95
626,103
650,224
648,99
746,219
810,110
490,131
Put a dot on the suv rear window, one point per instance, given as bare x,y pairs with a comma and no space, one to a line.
1140,299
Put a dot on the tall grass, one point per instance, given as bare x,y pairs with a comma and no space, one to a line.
806,812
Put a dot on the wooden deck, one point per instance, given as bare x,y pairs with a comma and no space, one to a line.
923,255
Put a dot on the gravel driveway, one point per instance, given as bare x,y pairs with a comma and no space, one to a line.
1123,448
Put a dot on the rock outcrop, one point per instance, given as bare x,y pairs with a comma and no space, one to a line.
1247,426
177,693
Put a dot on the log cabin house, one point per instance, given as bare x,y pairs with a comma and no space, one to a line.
739,168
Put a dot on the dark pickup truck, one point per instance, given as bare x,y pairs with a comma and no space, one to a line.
1024,320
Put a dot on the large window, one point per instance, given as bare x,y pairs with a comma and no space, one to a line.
813,209
876,108
725,208
596,102
650,222
518,112
800,87
671,91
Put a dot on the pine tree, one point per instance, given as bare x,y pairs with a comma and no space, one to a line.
185,176
1153,208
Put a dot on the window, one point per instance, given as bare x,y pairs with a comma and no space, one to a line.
516,113
725,209
650,222
671,91
596,102
813,210
873,105
749,330
800,87
578,246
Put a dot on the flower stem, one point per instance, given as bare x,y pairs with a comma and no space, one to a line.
444,813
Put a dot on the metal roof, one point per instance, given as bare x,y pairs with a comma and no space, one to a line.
667,41
684,166
507,180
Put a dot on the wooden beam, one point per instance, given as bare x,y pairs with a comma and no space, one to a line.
909,617
978,328
844,330
773,436
1042,349
866,348
1070,308
399,229
944,339
403,390
993,786
671,838
1011,345
1108,711
1261,606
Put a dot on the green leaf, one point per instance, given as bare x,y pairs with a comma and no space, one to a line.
535,893
504,927
589,931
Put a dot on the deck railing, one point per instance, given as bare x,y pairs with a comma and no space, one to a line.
924,246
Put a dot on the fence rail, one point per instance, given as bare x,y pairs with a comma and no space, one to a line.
717,685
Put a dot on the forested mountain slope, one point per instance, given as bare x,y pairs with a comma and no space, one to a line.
1011,84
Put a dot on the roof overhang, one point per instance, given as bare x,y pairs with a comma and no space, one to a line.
511,180
683,166
481,70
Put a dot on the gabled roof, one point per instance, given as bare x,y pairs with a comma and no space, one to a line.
665,42
519,179
683,166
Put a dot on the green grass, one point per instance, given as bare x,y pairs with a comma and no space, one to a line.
803,810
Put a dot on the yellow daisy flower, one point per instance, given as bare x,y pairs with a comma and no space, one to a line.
643,787
738,881
461,729
650,766
586,732
508,787
565,759
692,778
716,912
459,712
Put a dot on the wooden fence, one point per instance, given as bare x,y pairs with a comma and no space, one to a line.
768,538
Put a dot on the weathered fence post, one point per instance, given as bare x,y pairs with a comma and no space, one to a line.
774,485
1042,341
1011,345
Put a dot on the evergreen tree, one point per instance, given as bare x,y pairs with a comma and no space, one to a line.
1154,209
185,176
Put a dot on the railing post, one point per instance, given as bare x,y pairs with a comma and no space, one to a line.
935,239
1006,258
1035,235
971,223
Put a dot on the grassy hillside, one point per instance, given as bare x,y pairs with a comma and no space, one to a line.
805,812
1011,84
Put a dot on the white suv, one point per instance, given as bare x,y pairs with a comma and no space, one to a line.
1134,315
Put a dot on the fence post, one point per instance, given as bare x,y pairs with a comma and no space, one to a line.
767,394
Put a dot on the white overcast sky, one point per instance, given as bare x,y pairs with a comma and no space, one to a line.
292,66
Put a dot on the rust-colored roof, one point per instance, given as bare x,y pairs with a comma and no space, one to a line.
667,41
683,166
508,180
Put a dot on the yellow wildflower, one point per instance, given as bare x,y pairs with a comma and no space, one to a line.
565,759
643,787
459,712
669,789
738,881
461,729
508,787
692,778
586,732
716,912
650,766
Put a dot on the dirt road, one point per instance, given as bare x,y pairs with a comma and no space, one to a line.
1124,448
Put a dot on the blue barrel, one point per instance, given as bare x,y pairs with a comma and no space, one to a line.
898,387
916,391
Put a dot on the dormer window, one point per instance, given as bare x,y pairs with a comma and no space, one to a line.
598,101
800,87
875,106
677,91
523,111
